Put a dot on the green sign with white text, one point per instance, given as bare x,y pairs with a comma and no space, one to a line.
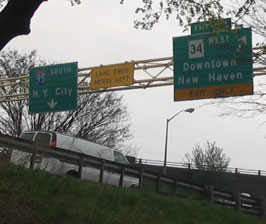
213,65
211,26
53,88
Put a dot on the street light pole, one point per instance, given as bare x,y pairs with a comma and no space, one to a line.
189,110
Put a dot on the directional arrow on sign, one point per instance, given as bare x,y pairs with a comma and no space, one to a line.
52,104
243,41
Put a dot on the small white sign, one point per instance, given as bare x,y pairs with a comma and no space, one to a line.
196,48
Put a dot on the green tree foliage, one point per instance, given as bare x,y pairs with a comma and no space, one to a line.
16,15
211,163
211,157
187,11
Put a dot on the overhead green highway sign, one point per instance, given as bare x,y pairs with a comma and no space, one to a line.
53,88
212,65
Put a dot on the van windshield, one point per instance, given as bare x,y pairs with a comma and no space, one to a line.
120,158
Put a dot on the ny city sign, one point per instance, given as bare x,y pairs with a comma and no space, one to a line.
53,88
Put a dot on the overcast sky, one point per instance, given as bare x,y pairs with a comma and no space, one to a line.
102,32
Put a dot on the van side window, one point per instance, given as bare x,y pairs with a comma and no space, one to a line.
27,136
43,138
120,158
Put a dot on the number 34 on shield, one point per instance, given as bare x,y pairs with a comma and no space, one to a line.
196,48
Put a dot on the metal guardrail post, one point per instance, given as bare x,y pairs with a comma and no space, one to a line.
209,192
237,198
122,174
32,159
158,183
81,163
101,171
174,187
263,207
141,173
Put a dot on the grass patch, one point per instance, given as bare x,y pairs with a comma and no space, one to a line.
31,197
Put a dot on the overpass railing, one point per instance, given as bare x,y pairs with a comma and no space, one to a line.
192,166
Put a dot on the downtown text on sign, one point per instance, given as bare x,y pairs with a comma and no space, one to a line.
53,88
212,65
110,76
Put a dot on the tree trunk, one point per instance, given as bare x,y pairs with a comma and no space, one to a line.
15,19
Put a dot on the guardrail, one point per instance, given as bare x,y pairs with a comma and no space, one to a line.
163,184
192,166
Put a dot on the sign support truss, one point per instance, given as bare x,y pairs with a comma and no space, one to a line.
148,73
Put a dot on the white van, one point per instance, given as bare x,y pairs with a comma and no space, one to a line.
58,167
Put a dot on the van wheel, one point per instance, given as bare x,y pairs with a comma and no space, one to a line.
134,186
72,173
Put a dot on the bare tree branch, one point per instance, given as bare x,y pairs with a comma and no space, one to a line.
101,118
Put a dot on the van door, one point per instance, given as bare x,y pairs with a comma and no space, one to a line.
109,177
128,181
113,178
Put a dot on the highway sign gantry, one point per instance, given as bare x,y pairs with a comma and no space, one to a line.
53,88
212,65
